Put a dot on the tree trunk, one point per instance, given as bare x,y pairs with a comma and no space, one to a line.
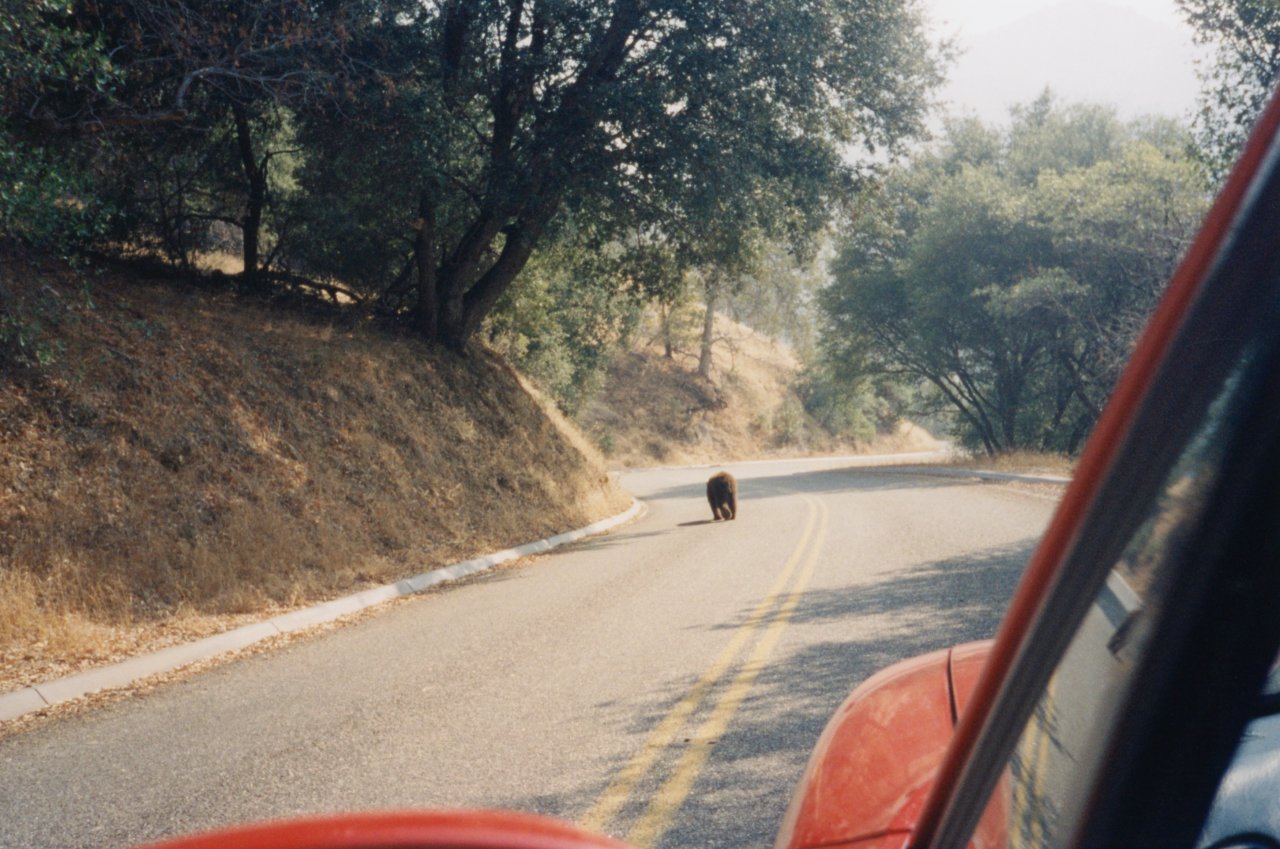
256,175
668,344
973,413
427,310
708,330
460,309
463,317
451,331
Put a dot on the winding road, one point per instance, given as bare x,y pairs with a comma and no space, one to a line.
663,683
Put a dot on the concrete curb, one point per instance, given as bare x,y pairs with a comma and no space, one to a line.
40,696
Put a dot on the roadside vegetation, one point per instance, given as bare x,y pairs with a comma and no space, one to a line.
187,457
1242,38
330,413
658,410
1008,272
265,275
414,156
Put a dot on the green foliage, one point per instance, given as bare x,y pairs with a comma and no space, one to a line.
27,341
844,407
574,310
669,118
28,326
182,118
787,423
1013,278
777,297
680,320
426,153
1047,137
42,49
1245,35
46,200
47,194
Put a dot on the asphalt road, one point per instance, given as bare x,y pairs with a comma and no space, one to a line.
663,683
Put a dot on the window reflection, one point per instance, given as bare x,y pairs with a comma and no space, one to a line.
1041,797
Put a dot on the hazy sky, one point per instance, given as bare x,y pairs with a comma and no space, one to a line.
1135,55
971,17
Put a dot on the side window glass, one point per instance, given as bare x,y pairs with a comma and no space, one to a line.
1039,801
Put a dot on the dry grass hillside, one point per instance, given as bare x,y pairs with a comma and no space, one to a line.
188,458
659,411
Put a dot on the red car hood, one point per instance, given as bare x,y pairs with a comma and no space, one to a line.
872,768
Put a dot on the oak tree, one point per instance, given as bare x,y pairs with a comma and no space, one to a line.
1012,274
629,112
1244,36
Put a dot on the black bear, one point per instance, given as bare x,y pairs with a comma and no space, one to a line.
722,493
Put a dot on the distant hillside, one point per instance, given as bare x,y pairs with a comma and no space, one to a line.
1086,51
658,411
188,458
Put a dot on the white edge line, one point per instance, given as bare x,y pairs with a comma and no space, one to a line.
40,696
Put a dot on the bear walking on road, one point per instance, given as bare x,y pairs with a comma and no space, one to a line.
722,494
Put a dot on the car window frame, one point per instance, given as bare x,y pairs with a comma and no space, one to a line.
1142,431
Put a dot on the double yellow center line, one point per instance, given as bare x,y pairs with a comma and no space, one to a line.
771,614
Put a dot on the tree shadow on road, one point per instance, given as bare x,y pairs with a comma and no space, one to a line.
744,791
931,606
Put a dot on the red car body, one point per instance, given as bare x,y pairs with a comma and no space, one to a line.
403,830
872,768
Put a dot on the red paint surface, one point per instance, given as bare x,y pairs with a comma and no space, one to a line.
895,840
408,830
869,773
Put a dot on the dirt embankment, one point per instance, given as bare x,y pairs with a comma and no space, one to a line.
656,409
187,458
